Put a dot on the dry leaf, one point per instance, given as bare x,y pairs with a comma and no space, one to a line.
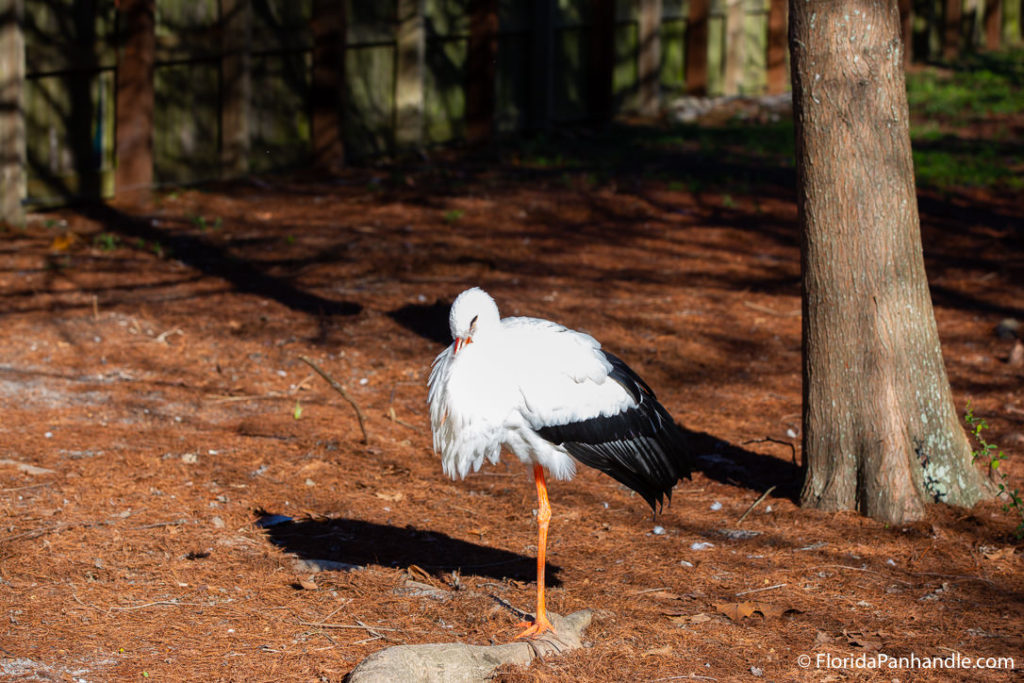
392,496
663,650
1001,554
735,610
308,584
868,641
821,638
741,610
63,242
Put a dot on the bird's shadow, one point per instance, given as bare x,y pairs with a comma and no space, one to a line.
361,543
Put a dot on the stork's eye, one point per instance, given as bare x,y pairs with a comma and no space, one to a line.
472,323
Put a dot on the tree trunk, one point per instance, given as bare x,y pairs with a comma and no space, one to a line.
881,433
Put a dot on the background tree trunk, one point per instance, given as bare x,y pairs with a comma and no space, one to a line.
881,433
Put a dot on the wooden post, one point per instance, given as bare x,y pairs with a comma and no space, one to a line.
649,59
778,74
481,69
411,66
697,48
236,86
951,19
326,93
12,119
993,24
541,63
734,47
134,119
602,60
907,30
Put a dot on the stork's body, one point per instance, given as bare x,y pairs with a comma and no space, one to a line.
553,397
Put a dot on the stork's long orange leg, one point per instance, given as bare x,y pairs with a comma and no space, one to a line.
540,622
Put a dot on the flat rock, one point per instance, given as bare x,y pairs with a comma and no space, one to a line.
459,662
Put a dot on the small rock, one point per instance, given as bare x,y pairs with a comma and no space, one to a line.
684,563
1009,328
757,671
1016,358
658,531
701,545
313,565
738,534
217,522
190,458
716,506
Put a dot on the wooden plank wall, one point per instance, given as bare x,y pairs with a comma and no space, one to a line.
206,89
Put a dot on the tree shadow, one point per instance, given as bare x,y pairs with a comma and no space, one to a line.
361,543
214,260
728,463
429,321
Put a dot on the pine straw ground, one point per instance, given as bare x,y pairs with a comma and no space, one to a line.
154,407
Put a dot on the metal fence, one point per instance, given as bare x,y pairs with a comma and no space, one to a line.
235,84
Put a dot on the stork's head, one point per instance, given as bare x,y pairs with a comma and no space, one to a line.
473,315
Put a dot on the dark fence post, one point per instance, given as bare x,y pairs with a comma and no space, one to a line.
409,74
648,63
12,120
236,86
952,18
777,78
697,48
542,59
481,69
993,24
602,60
134,119
329,37
907,29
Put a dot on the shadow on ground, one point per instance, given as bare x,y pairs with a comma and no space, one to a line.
361,543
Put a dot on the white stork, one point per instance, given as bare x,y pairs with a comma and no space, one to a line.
552,397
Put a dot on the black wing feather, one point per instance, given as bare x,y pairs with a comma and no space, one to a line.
642,447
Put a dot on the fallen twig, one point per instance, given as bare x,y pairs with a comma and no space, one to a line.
25,467
358,626
232,399
755,504
26,488
157,525
760,590
162,337
56,528
394,418
769,439
344,394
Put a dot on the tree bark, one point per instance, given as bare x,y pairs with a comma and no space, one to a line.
881,433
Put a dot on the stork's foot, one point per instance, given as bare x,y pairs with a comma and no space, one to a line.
535,628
